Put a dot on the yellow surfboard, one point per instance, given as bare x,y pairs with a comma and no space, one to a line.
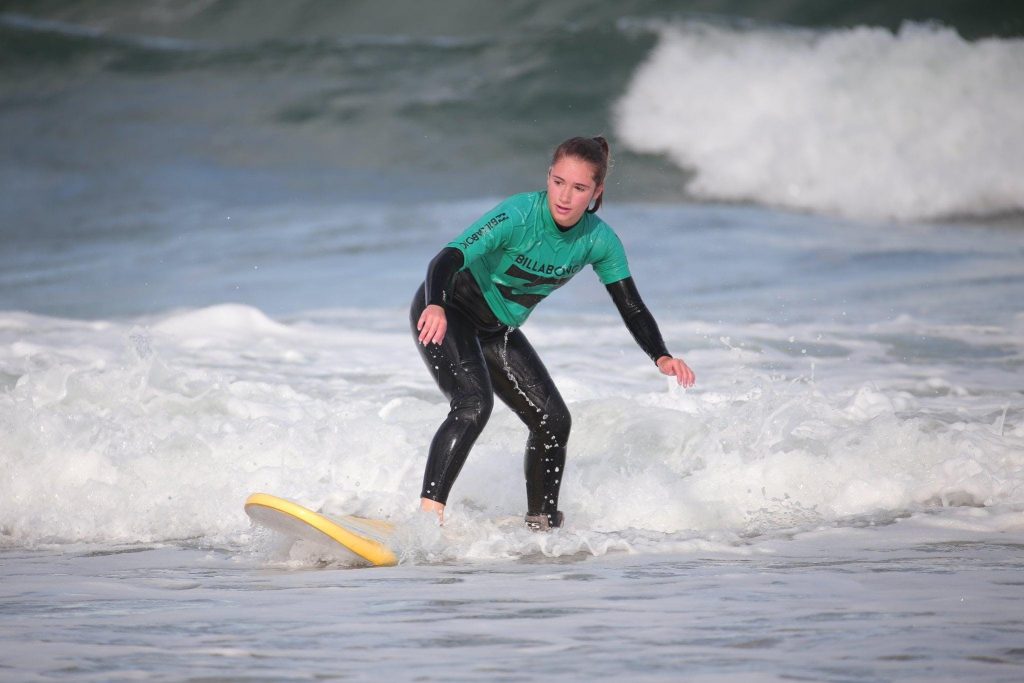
364,537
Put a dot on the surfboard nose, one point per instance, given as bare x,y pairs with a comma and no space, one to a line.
366,538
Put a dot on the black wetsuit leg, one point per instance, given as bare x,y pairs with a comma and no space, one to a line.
524,385
478,358
461,372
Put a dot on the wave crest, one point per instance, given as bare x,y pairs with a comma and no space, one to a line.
861,122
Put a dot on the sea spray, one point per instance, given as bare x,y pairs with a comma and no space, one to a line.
157,429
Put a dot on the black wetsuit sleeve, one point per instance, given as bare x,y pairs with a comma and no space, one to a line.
638,319
441,276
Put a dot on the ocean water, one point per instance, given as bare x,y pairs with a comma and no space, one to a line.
214,216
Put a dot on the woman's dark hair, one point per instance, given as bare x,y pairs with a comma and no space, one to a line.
595,151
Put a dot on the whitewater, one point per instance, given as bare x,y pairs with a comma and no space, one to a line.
916,124
212,230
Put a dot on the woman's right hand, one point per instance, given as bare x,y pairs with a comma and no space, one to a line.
432,325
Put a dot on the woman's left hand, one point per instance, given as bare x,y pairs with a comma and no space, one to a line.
675,366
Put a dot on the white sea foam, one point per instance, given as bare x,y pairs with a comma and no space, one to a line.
860,122
156,429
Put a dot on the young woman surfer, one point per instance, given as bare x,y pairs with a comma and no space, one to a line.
480,289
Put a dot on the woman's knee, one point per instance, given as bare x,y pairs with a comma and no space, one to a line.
555,425
564,424
473,406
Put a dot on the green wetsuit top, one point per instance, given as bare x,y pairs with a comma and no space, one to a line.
518,255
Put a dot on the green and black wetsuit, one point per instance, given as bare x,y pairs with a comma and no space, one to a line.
488,280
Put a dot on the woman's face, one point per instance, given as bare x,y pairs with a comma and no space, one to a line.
571,189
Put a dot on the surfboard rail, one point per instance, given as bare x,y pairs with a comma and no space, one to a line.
258,505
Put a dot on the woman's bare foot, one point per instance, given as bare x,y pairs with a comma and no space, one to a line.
428,505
